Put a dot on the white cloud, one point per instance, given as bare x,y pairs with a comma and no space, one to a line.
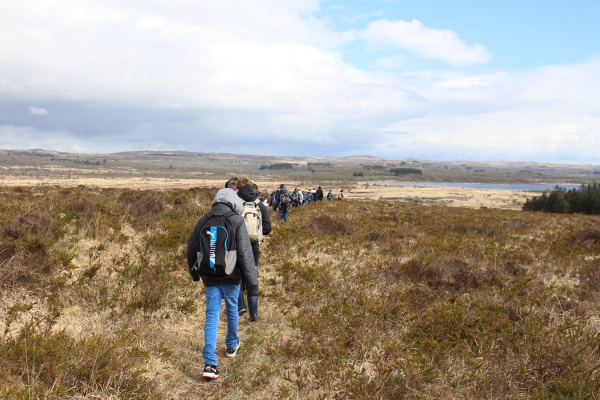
413,36
150,53
545,114
508,135
22,137
38,111
133,74
392,62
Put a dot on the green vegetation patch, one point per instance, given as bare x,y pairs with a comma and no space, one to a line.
585,200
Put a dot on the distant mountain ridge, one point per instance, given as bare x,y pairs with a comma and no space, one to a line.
142,155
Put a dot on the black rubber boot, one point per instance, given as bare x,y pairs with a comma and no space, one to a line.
253,307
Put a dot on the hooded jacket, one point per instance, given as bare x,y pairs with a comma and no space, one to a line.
278,195
228,200
247,193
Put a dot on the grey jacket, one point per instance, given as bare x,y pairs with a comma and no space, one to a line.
228,200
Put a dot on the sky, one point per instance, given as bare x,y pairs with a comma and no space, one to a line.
511,80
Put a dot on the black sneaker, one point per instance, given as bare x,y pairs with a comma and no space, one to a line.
242,311
232,351
210,371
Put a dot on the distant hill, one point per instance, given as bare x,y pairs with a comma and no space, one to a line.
184,165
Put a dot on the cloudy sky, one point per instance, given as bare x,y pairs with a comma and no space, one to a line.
512,80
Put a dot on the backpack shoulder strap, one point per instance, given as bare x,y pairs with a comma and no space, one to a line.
209,214
253,202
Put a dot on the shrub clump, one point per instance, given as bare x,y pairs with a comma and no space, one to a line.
585,200
332,226
277,166
587,237
141,205
25,250
450,273
63,366
406,171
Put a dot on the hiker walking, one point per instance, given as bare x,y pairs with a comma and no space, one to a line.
255,188
258,225
220,253
329,196
283,198
309,196
273,200
320,194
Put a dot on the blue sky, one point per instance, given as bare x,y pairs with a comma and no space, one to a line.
520,34
428,79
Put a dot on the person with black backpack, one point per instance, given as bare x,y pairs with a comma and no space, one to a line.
219,252
273,202
283,199
320,194
258,225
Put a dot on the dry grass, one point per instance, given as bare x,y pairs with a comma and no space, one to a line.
358,300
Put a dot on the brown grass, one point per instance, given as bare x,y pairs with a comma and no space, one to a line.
358,300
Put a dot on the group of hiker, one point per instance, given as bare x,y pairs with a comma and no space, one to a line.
281,200
223,252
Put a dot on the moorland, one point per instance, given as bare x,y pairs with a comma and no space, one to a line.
178,169
185,169
358,299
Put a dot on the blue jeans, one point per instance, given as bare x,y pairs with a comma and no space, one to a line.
285,208
214,295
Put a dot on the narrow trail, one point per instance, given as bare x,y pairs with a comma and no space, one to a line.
258,339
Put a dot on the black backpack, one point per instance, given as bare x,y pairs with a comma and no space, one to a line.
284,197
218,251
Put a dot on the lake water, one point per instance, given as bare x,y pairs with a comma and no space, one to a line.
521,187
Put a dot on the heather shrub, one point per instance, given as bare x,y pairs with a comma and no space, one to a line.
587,237
57,366
329,225
357,300
25,250
71,251
446,302
140,205
203,195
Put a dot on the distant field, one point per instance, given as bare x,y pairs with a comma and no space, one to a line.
33,164
156,170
